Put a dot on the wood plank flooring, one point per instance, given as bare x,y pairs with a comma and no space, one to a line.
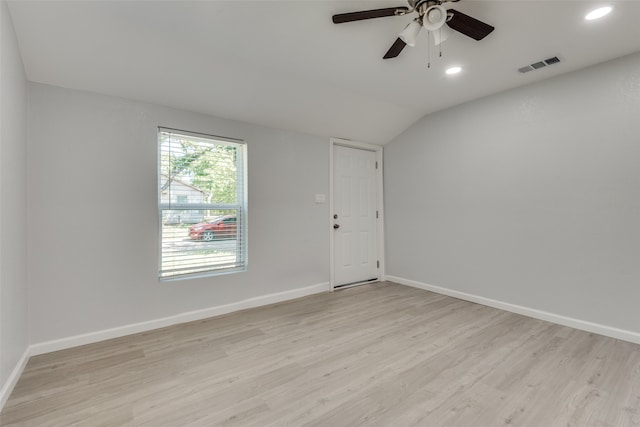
375,355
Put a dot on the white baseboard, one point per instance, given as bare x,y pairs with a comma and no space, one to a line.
596,328
88,338
11,382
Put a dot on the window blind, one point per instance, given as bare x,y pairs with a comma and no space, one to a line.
202,196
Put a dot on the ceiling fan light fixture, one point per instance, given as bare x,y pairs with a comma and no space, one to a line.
441,35
410,32
431,14
434,17
598,13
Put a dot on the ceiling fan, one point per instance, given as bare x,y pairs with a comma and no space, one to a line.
432,15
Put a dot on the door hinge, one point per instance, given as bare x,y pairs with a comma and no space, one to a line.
376,214
376,165
378,264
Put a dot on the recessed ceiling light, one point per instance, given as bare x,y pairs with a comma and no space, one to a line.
598,13
453,70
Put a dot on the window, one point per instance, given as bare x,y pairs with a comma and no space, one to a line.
202,195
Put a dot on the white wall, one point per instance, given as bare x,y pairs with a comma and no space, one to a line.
13,203
529,197
93,242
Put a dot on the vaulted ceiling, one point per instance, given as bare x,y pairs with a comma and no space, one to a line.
284,64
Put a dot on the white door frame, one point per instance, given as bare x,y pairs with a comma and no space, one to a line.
378,150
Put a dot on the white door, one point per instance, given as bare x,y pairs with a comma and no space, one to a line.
354,216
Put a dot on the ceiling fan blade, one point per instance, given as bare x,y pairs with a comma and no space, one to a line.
395,49
369,14
469,26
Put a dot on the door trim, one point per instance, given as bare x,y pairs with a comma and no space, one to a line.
378,150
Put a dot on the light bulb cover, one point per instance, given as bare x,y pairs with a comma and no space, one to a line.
410,32
434,17
441,35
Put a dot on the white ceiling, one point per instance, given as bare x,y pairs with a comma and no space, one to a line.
284,64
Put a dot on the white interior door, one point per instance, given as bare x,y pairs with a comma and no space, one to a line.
354,216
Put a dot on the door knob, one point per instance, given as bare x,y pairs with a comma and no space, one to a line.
336,226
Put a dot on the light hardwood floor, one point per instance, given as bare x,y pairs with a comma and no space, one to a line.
379,355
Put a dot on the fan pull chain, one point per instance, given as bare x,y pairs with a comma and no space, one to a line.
440,45
428,49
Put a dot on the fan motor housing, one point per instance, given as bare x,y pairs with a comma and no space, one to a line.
418,4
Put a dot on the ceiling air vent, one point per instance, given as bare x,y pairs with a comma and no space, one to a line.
539,64
552,61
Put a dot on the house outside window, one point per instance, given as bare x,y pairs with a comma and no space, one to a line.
202,199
